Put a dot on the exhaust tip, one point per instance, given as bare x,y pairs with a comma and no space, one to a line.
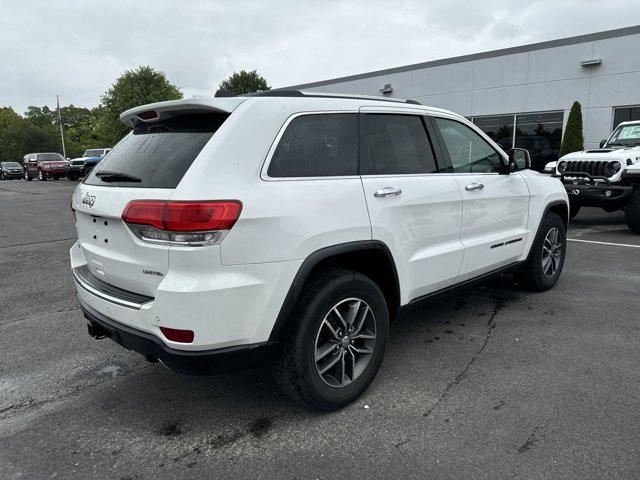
97,332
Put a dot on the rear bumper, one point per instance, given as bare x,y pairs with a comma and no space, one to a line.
598,195
203,362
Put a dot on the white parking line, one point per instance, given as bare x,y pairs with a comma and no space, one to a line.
603,243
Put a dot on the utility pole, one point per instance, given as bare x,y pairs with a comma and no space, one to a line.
64,150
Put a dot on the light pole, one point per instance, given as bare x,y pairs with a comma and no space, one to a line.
64,150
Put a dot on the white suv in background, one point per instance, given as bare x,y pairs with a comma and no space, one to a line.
290,227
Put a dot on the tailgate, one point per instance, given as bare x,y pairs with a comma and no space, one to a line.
113,253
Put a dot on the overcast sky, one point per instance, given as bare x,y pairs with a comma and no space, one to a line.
78,48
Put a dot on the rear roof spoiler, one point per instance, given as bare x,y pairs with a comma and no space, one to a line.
161,110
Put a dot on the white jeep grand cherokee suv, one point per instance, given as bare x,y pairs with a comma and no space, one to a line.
291,228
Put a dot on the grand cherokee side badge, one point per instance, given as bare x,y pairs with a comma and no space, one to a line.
88,199
152,272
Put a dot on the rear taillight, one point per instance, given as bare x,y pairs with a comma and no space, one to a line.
182,223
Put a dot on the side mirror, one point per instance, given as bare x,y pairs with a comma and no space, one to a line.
519,159
602,143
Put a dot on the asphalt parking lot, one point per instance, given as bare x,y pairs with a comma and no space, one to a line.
491,382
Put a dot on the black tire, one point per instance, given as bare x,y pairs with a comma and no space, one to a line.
41,176
632,211
532,274
574,209
27,177
294,369
1,175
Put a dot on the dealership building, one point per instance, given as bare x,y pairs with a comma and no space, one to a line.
521,96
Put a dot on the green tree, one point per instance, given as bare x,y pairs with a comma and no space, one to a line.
79,129
40,131
10,126
244,82
573,140
133,88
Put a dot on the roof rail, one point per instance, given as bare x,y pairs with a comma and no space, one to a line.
224,94
300,93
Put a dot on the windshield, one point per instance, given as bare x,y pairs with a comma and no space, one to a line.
625,135
157,154
50,157
93,153
11,164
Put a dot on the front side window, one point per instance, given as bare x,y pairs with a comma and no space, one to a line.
317,145
468,151
398,144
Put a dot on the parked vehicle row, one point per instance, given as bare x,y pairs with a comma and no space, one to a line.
291,228
50,165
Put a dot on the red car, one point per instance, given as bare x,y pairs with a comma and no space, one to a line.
44,166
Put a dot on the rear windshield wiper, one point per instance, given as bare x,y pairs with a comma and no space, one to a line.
107,176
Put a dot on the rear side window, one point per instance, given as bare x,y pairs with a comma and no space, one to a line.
318,145
157,154
398,144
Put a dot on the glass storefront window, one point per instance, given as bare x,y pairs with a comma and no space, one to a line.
541,134
499,128
625,114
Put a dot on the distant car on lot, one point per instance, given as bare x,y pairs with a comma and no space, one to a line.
606,177
79,167
92,157
289,227
44,166
10,170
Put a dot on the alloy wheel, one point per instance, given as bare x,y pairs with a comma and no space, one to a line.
345,342
551,252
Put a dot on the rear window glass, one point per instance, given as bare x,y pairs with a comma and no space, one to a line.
157,154
318,145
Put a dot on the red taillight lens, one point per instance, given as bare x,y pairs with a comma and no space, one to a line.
177,335
145,212
200,216
183,216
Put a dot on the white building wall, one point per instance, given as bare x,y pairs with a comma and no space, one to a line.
537,80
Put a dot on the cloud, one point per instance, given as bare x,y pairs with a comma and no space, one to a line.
78,48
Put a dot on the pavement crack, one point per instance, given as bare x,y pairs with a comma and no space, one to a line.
531,440
38,243
498,305
36,315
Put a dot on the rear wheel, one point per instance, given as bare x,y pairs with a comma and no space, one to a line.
632,211
338,336
543,267
27,176
41,176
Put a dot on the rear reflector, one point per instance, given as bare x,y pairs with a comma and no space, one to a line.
183,216
177,335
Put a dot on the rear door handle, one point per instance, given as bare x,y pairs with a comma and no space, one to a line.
383,192
473,186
